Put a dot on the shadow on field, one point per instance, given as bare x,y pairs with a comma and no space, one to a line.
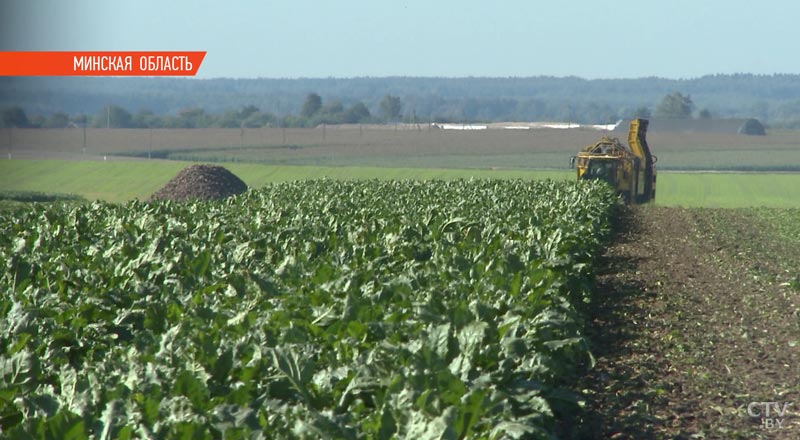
616,395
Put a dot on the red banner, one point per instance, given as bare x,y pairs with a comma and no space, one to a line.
100,63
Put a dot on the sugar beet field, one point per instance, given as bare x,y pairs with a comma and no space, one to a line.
398,309
302,310
388,303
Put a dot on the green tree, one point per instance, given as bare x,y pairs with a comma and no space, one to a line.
356,113
146,119
14,117
292,121
57,120
675,106
229,119
332,113
258,119
81,120
193,118
37,121
704,114
333,108
391,107
248,110
113,117
311,106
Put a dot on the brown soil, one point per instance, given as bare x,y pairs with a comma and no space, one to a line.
201,182
695,321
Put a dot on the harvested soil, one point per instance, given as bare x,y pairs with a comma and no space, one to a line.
201,182
695,330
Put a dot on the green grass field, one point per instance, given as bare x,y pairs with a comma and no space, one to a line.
121,181
729,190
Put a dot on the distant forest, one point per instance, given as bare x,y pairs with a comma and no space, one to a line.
773,99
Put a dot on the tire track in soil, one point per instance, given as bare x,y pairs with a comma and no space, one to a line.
687,330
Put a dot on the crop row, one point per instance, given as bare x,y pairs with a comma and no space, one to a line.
316,309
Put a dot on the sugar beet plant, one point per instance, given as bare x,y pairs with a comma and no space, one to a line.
316,309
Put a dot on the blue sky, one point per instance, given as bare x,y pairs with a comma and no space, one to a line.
347,38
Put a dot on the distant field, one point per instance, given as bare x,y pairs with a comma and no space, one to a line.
413,148
121,181
729,190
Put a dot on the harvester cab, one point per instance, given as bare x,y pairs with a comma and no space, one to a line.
603,169
629,170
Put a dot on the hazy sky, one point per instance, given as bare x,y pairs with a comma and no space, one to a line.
346,38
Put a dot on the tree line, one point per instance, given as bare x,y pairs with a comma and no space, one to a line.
313,112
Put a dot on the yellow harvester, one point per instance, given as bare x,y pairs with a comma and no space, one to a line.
630,170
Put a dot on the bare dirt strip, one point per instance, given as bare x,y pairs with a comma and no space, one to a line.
696,331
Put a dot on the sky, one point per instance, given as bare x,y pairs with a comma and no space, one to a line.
357,38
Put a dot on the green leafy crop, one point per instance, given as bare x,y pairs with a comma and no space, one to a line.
315,309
